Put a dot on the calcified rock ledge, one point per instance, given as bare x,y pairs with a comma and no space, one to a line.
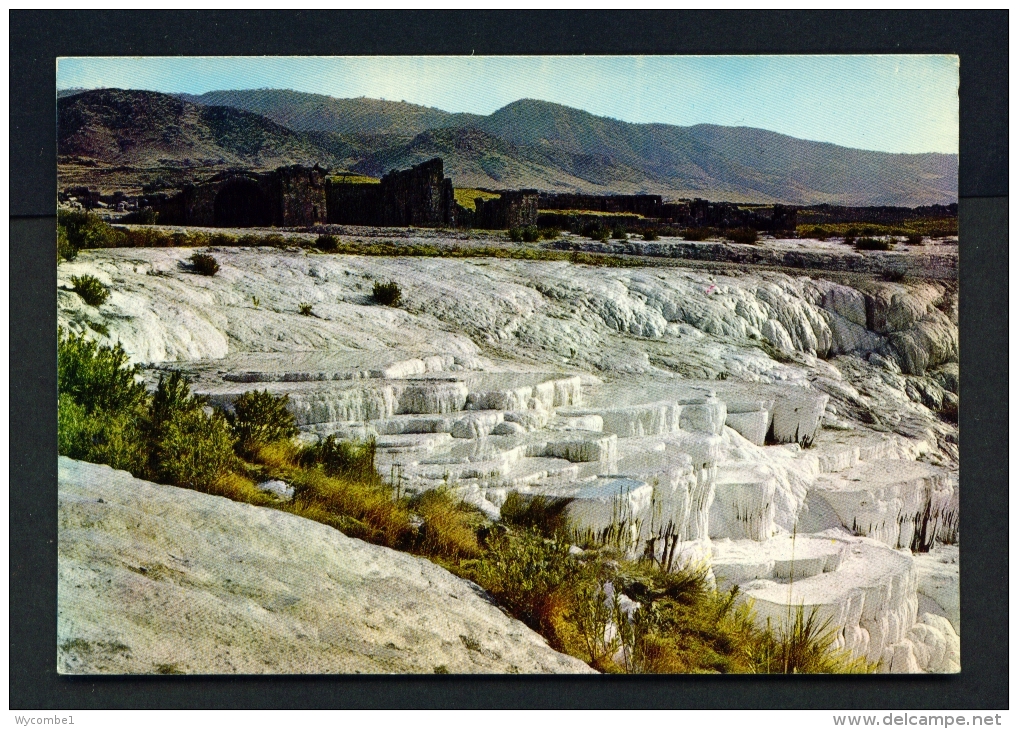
160,579
795,434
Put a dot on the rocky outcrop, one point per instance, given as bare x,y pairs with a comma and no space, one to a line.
156,579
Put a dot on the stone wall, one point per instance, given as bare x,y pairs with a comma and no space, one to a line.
514,208
301,195
420,196
286,197
646,205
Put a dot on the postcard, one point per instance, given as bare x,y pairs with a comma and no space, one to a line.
494,364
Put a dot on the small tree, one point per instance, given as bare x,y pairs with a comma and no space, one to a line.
260,418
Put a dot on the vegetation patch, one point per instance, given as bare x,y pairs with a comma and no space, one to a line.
928,227
466,196
874,244
90,289
697,234
204,264
742,235
528,234
387,294
327,243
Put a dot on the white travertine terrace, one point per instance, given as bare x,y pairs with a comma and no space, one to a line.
647,397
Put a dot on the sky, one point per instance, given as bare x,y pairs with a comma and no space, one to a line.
888,103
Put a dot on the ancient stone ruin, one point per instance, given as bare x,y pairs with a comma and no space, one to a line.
287,196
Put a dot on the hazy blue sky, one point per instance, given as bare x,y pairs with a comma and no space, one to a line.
891,103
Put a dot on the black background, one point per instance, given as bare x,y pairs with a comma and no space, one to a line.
980,38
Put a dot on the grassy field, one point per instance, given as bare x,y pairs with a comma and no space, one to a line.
596,213
352,178
929,227
465,196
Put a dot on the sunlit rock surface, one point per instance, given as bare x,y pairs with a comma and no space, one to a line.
156,579
794,434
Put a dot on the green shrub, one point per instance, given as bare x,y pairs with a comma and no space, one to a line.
873,244
90,289
742,235
619,233
849,240
914,239
651,234
204,264
353,460
64,248
529,234
387,294
695,234
113,438
523,570
194,449
550,233
326,242
172,395
545,514
260,418
96,377
88,230
305,308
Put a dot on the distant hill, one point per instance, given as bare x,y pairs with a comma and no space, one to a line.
316,112
525,144
141,129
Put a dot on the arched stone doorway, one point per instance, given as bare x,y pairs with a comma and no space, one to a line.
240,203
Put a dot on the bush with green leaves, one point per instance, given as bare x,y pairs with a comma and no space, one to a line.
550,233
874,244
260,418
187,446
326,242
194,449
305,308
88,230
114,438
90,289
387,294
619,233
354,460
101,405
650,234
527,233
97,377
914,239
742,235
696,234
64,248
204,264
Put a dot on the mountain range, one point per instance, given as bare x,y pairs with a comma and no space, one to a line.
526,144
